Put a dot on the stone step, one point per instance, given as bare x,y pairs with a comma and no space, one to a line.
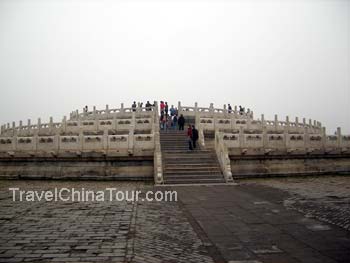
173,137
191,176
183,166
188,152
177,142
192,172
174,146
186,162
175,134
194,181
205,171
194,156
192,166
198,162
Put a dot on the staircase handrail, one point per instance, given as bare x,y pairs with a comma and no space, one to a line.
223,156
157,158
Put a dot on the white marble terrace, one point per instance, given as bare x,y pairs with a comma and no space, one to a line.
124,130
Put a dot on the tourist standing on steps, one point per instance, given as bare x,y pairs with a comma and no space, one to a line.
169,121
133,106
181,122
162,106
189,137
194,136
172,110
163,122
166,108
174,122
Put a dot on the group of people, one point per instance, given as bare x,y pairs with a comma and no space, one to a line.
148,105
241,109
169,118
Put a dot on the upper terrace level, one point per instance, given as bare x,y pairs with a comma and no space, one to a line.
142,118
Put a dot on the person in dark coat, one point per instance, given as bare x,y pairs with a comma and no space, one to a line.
133,106
229,108
166,108
194,136
174,122
181,122
189,136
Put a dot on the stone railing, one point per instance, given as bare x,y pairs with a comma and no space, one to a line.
157,158
222,123
210,111
74,126
269,141
223,156
201,138
125,144
108,113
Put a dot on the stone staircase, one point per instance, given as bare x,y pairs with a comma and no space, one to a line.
182,166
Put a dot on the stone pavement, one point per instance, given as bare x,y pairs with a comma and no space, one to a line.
326,198
94,231
255,221
252,223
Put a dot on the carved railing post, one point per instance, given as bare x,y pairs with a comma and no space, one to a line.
211,109
263,123
200,132
339,137
39,125
94,112
276,122
51,124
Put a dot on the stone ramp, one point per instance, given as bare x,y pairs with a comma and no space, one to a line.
183,166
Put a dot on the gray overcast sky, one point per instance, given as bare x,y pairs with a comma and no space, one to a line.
285,57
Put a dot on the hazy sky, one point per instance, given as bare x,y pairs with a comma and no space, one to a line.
285,57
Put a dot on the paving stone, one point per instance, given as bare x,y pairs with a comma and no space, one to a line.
55,255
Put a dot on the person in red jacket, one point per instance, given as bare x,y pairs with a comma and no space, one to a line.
189,136
162,106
